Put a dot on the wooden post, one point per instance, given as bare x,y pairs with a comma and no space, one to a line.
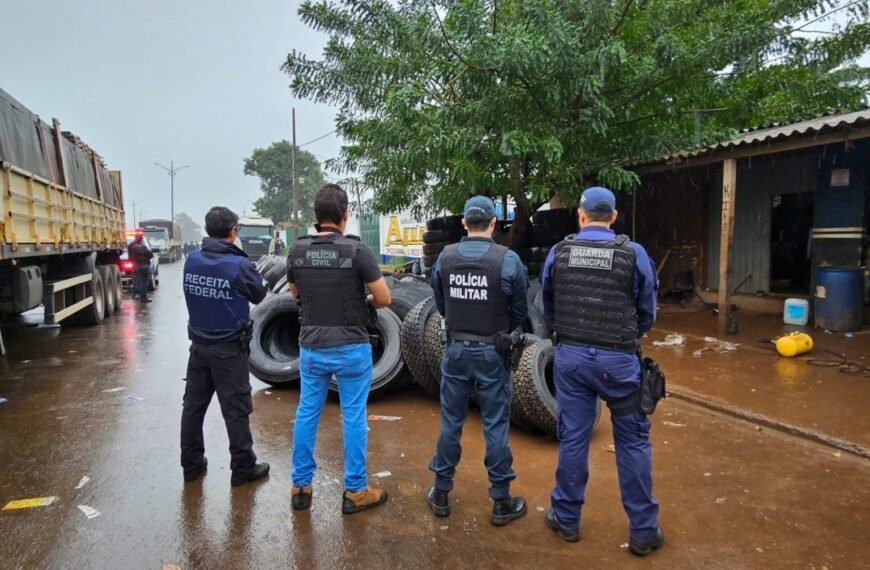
729,196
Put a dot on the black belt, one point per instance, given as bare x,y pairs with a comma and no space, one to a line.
460,336
628,349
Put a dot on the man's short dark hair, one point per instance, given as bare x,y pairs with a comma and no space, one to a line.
597,216
478,225
330,204
220,221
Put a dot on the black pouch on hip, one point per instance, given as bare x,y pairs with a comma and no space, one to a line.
652,385
503,344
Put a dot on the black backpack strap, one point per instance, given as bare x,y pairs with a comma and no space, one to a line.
622,240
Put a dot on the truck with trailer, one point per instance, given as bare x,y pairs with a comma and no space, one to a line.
165,238
62,223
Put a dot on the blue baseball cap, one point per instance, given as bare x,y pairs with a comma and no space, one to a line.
479,209
598,199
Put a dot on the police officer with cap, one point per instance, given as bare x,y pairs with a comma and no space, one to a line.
330,275
480,288
219,284
599,291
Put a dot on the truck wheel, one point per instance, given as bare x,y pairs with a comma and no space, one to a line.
108,289
94,313
415,349
117,284
155,281
274,355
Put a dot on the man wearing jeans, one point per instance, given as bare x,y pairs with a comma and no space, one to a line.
480,287
328,273
599,291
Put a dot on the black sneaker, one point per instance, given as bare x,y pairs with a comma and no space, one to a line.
644,547
259,471
146,300
565,533
507,510
438,502
194,474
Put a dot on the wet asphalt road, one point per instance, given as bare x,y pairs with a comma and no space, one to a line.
731,496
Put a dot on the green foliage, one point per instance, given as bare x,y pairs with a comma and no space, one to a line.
439,99
273,166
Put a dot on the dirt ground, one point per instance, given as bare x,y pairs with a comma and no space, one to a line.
733,494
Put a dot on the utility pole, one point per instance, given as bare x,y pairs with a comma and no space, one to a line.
134,213
295,184
172,170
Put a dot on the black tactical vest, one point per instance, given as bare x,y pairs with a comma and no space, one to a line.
474,301
332,294
593,293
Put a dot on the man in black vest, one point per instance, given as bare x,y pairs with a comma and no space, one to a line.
480,288
328,274
599,291
220,283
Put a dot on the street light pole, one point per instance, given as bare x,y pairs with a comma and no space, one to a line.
172,171
295,185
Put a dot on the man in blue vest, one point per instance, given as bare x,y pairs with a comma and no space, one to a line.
480,288
219,283
599,291
338,284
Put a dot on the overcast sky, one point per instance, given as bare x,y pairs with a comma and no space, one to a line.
196,81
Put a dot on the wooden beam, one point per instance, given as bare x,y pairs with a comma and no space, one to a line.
729,198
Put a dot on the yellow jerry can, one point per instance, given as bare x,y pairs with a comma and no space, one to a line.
794,343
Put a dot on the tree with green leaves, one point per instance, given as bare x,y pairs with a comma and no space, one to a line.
440,99
274,167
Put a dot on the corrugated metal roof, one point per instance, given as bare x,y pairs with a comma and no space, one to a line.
771,134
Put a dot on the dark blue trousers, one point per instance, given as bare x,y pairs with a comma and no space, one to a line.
581,374
466,364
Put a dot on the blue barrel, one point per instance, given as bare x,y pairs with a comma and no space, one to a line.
839,299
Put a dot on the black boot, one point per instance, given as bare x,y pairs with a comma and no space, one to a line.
438,502
565,533
644,547
194,474
259,471
506,510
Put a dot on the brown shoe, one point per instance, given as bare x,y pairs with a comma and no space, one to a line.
300,498
354,502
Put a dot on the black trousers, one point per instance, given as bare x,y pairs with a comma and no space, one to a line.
221,368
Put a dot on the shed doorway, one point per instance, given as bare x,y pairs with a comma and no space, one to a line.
790,234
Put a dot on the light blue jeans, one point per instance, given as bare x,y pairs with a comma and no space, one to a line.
352,366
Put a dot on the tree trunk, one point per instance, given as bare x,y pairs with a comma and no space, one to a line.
520,227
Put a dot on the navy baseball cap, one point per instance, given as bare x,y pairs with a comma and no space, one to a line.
479,209
598,199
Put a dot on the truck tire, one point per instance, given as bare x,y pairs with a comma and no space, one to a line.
274,357
281,285
94,313
118,285
518,413
535,390
415,346
155,280
109,299
537,324
407,295
453,224
388,366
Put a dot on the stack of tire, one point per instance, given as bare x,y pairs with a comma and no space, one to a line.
549,227
440,232
272,268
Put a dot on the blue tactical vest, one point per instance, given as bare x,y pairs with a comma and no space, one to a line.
214,304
